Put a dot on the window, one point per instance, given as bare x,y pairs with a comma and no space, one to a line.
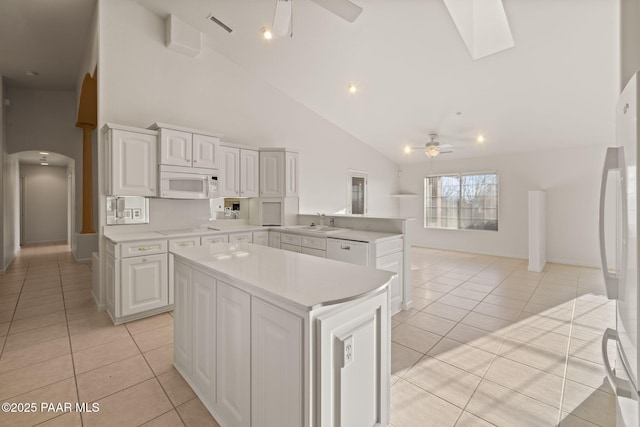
356,192
461,201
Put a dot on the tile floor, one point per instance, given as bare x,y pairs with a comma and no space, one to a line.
487,343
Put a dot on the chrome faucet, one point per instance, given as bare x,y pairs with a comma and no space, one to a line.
321,215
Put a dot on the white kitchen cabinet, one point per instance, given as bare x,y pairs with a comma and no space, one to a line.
187,147
204,335
278,173
289,247
249,173
131,164
315,252
276,348
176,147
206,151
240,174
233,355
394,263
274,239
214,240
181,242
261,238
137,279
244,237
182,320
143,284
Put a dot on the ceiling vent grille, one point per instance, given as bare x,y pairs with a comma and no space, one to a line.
222,25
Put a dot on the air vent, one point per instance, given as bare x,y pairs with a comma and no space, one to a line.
220,23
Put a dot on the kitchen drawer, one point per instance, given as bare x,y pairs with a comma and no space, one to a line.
290,239
314,252
388,247
212,240
241,237
148,247
314,242
287,247
184,242
261,238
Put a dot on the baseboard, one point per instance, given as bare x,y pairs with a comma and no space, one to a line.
101,307
4,268
497,254
573,262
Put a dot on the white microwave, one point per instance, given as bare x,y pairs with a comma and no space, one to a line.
179,182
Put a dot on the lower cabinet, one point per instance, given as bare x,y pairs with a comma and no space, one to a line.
274,239
233,355
261,238
394,263
276,367
143,284
182,322
204,337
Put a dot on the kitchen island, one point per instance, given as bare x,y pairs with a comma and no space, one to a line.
267,337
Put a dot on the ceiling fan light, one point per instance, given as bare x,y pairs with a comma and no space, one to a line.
352,88
267,34
432,151
407,149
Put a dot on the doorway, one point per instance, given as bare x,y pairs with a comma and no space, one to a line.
357,192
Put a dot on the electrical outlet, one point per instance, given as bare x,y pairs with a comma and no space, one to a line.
137,213
348,350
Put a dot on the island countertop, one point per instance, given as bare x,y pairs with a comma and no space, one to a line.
306,281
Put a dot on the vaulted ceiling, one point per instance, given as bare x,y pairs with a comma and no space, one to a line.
556,88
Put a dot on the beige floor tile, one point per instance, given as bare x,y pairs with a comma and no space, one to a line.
469,294
465,357
4,328
144,325
194,414
569,420
160,359
23,380
459,302
98,336
130,407
402,358
412,406
168,419
29,295
36,322
35,336
176,387
536,357
501,406
38,301
544,339
39,310
53,394
532,382
476,287
403,315
488,323
497,311
154,338
98,319
23,357
445,381
98,383
467,419
437,287
104,354
419,303
447,311
589,404
588,373
80,312
414,338
479,338
428,322
70,419
589,350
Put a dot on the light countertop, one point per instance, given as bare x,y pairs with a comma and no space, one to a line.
303,280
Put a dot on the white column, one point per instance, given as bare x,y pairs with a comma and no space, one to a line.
537,230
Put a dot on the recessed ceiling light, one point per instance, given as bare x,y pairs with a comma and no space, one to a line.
407,149
44,164
480,138
267,34
44,153
31,73
352,88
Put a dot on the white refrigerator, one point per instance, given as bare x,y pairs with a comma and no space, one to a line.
621,274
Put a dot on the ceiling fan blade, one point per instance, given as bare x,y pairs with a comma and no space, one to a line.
445,146
282,18
446,152
343,8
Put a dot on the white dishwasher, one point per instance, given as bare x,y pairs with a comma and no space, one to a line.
348,251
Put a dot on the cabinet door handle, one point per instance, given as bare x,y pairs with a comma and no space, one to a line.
345,247
144,249
184,244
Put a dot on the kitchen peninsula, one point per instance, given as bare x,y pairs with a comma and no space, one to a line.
267,337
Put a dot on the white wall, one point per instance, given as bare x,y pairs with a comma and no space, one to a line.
629,39
141,82
571,179
45,203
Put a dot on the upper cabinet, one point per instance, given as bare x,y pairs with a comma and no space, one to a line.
278,173
182,147
239,169
131,162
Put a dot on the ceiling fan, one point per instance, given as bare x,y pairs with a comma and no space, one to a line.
433,147
283,16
